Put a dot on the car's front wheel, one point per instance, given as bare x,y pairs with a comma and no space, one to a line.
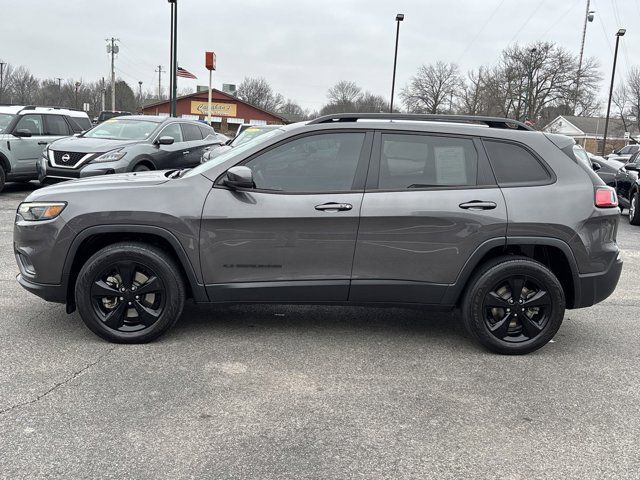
514,305
3,177
634,209
130,292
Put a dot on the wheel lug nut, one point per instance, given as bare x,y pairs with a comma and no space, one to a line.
121,298
137,297
129,303
133,289
122,289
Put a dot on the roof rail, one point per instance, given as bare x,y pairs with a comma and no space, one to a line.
33,107
492,122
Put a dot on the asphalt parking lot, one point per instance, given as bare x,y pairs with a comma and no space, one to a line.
315,392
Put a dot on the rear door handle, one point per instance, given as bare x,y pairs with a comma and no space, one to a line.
478,205
334,207
42,143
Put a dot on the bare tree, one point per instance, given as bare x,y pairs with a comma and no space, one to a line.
633,92
369,102
5,84
293,111
344,92
432,89
259,93
24,86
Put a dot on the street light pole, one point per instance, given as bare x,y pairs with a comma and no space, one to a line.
399,18
588,17
529,85
619,33
77,86
140,85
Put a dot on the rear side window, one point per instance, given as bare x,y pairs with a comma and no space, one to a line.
206,131
79,124
514,165
190,132
422,161
56,125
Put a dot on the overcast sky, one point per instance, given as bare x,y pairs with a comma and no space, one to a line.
301,47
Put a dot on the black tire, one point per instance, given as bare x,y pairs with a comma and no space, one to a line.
141,168
3,177
494,284
634,209
127,316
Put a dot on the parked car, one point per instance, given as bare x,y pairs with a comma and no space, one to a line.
244,135
628,186
624,153
24,133
607,170
343,209
109,114
127,144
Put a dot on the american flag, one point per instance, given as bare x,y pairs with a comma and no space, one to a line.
185,73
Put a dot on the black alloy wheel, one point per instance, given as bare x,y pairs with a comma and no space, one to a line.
513,305
128,296
130,292
516,309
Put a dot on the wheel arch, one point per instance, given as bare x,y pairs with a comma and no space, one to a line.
146,161
93,239
552,252
5,163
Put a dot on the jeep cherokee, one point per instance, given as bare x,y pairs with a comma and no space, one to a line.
479,213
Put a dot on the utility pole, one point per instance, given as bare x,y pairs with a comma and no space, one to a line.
588,17
159,71
2,64
104,94
527,112
59,79
113,49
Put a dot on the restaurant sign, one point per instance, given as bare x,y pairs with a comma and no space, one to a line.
217,108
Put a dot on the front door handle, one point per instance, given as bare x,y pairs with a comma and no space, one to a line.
334,207
478,205
186,152
42,143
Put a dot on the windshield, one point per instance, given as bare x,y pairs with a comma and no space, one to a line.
5,120
122,129
248,135
203,167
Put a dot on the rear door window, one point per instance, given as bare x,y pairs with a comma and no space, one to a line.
56,125
190,132
423,161
515,165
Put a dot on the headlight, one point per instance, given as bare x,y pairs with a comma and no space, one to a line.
45,153
34,211
205,156
112,156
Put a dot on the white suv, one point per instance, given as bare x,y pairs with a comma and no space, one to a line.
26,131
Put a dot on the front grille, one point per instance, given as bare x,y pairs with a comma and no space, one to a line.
67,159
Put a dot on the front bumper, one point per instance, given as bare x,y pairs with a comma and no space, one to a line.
593,288
48,174
50,293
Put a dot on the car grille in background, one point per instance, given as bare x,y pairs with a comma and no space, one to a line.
67,159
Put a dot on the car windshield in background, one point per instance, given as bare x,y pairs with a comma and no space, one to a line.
234,151
122,129
5,120
249,134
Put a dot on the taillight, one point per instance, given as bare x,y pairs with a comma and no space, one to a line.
606,197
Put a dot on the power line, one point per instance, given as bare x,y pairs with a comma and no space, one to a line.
480,31
559,19
526,22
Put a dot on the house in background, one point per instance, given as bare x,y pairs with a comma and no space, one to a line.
589,132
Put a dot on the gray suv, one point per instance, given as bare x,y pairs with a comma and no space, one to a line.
26,131
479,213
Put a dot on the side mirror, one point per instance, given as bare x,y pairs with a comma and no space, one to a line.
165,140
23,132
595,166
239,177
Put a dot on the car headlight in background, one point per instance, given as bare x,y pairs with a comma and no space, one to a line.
34,211
112,156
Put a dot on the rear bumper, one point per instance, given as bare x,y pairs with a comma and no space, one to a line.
595,287
50,293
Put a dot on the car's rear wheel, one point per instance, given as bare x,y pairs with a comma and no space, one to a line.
514,305
130,293
634,209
